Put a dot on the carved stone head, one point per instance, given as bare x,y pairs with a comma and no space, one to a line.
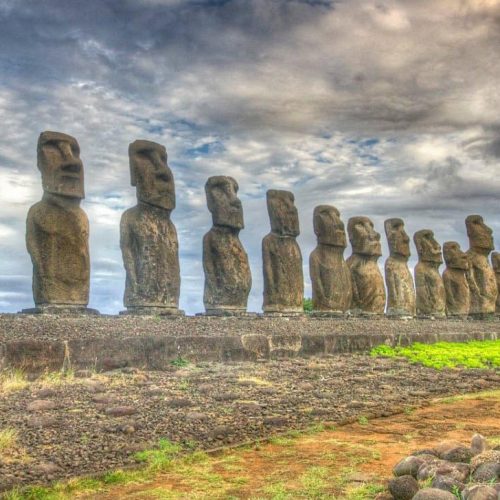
151,175
58,157
282,213
495,262
480,235
363,237
428,249
223,202
454,257
399,241
328,227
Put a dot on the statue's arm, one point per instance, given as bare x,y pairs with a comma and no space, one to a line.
315,275
267,263
33,242
126,242
208,260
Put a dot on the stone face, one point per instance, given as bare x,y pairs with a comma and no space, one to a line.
403,487
282,259
398,278
495,262
148,238
368,290
57,229
455,280
482,280
431,295
330,275
227,272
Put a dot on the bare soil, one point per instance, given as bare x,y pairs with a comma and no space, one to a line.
377,447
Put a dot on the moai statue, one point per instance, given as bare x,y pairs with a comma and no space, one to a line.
431,296
57,230
455,280
148,238
282,259
482,282
495,261
368,291
227,273
398,278
330,275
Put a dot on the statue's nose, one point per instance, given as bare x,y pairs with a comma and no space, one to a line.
66,151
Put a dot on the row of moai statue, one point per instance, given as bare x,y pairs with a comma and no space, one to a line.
58,230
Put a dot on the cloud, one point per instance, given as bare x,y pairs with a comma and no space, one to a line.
380,108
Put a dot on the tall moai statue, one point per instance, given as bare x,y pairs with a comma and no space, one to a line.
57,230
398,278
431,296
282,259
455,280
227,272
482,281
368,291
495,262
330,275
148,238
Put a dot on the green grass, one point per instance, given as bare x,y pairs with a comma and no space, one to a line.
307,305
475,354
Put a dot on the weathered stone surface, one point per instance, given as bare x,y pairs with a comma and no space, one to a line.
57,229
482,280
148,238
367,282
403,487
282,259
488,472
330,275
480,492
455,280
398,278
495,262
431,295
478,444
227,272
434,494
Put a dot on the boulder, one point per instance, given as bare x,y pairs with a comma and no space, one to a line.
403,487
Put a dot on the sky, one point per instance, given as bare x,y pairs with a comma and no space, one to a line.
380,108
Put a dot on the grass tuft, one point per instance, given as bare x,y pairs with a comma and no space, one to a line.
13,381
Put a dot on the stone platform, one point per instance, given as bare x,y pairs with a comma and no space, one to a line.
36,343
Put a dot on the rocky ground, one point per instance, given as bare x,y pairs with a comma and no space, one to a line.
56,328
96,422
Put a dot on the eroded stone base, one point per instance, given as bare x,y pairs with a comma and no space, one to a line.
65,310
152,311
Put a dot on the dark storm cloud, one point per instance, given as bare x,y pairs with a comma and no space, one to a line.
381,108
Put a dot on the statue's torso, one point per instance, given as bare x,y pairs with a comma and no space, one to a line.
368,285
400,287
457,292
483,285
431,296
331,281
284,287
57,240
227,272
154,250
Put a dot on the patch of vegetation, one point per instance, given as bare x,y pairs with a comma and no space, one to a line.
161,457
365,492
13,381
254,380
475,354
363,420
307,305
180,362
8,440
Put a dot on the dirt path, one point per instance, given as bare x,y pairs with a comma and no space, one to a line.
348,462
